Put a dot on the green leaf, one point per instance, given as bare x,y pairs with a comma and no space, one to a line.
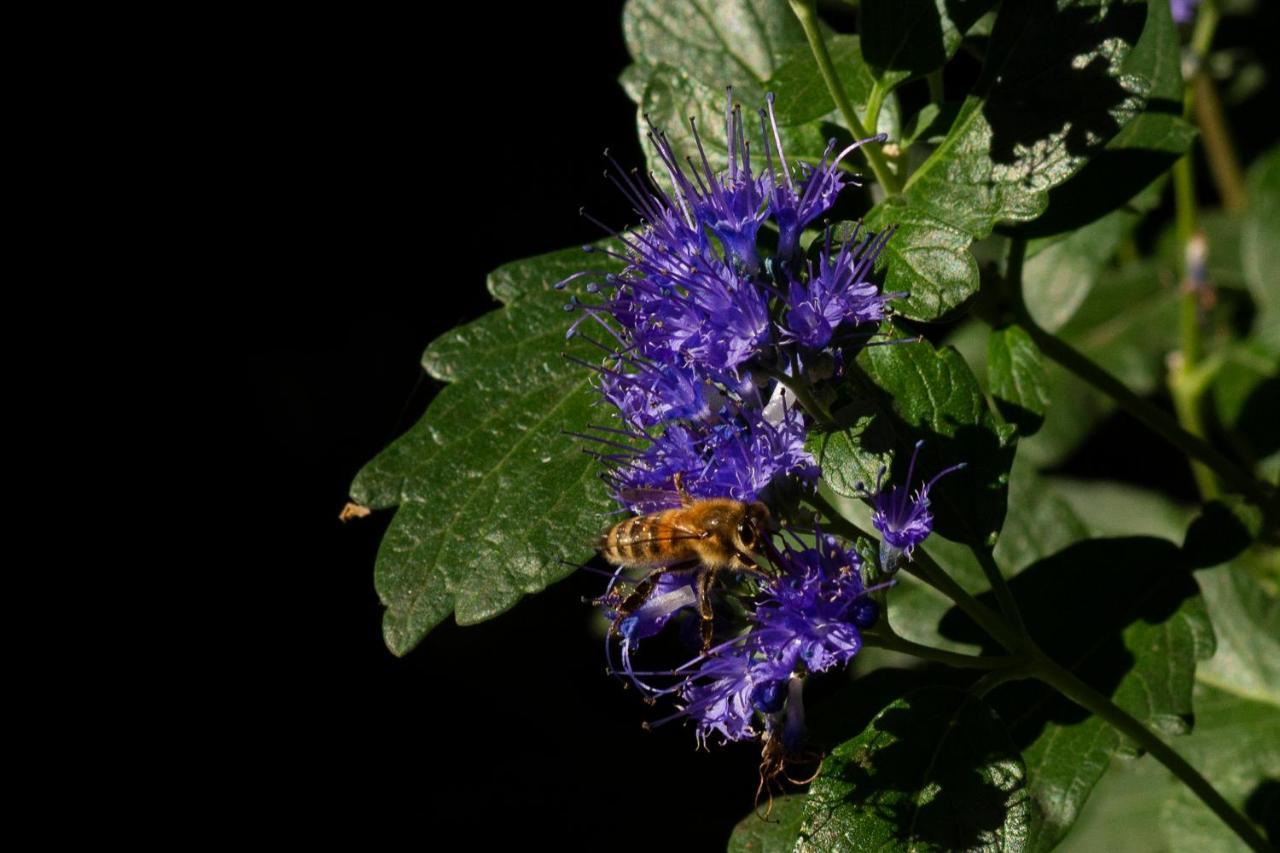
910,38
926,259
775,834
1235,746
1236,741
1039,523
1118,509
1246,395
1141,151
1124,615
1052,92
923,393
1059,274
1016,378
739,43
1127,324
686,54
671,97
491,493
803,97
935,770
1247,619
1260,237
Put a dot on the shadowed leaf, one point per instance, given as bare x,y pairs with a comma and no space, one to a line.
935,770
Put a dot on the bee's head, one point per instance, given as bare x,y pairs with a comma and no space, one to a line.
755,525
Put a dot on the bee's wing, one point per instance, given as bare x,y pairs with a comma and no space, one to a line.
644,499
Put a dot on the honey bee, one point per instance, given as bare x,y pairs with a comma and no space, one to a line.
706,536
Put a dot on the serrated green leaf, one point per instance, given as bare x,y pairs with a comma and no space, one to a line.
686,54
1055,89
671,97
935,770
910,38
776,833
926,259
1016,378
491,493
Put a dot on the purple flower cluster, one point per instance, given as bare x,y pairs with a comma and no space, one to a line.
707,341
700,322
808,620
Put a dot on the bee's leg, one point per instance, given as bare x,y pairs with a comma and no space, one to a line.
640,594
744,566
705,580
678,479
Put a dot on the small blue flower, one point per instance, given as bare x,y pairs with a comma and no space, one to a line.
736,454
813,604
732,203
793,209
904,520
726,690
839,291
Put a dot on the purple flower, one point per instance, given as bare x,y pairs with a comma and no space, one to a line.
793,209
813,604
647,393
904,521
733,203
736,454
726,690
839,291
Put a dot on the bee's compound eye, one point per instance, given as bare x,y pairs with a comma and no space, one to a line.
747,533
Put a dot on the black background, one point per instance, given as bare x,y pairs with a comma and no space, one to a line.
388,178
394,178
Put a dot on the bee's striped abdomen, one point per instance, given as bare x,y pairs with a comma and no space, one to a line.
644,540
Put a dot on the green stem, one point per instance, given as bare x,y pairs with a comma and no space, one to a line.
996,677
1202,95
1027,660
1155,419
1086,697
808,16
1004,595
1183,365
895,643
924,567
875,101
